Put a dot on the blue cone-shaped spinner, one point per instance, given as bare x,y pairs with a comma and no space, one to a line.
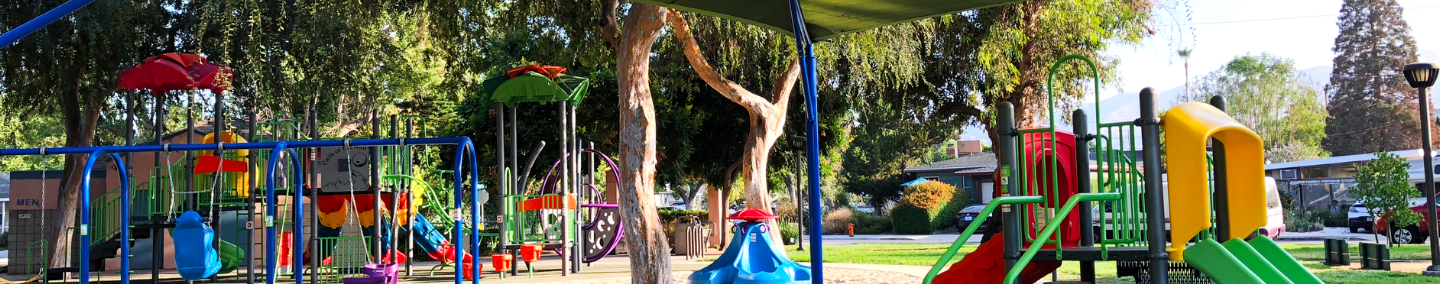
751,259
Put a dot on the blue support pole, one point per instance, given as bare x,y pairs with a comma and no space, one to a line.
124,219
85,216
805,47
12,36
270,212
474,215
297,244
459,231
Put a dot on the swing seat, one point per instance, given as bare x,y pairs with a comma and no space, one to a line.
195,255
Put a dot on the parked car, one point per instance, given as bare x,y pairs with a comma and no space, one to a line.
1410,234
968,215
1359,218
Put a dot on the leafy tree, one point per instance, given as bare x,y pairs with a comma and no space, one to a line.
1004,53
1383,185
1267,94
68,69
970,63
1371,107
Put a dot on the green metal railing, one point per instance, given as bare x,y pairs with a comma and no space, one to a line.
347,258
1050,228
38,254
1117,172
975,225
105,217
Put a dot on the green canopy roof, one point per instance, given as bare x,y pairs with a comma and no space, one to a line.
826,18
534,87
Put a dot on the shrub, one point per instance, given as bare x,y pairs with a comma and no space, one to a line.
929,196
1302,221
911,220
870,224
945,217
790,232
1331,218
837,221
668,216
786,210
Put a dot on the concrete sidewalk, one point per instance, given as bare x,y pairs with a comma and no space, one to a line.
944,238
1327,233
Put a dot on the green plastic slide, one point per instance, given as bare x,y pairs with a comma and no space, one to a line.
1283,261
1255,262
1215,261
230,257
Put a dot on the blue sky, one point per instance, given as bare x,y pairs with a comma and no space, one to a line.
1307,38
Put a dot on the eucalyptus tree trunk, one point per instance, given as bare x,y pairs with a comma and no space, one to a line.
767,117
645,235
80,118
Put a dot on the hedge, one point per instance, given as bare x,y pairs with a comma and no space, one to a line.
937,200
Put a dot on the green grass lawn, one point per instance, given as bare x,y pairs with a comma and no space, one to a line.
1309,255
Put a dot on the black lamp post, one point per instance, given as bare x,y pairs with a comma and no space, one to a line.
1421,76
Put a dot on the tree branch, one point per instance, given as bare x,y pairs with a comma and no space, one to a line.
610,24
728,88
785,85
953,108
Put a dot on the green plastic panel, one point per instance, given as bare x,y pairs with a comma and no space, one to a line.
1212,259
1255,262
1283,261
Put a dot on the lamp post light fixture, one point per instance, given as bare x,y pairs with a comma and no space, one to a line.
1421,76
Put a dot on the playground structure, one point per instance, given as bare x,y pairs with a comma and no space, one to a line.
217,185
568,214
1047,199
364,196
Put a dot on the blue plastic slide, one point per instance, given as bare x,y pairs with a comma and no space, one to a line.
195,254
430,240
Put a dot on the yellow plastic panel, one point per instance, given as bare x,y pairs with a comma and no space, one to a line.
227,137
1187,128
241,181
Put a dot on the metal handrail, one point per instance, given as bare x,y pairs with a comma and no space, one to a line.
1051,227
974,225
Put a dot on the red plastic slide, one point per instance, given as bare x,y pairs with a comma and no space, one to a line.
986,266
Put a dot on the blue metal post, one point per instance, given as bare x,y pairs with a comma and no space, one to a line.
12,36
124,219
804,46
474,216
85,216
459,250
297,244
270,213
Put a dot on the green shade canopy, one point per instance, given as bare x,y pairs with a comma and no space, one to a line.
537,88
825,18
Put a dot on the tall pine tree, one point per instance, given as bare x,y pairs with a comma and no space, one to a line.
1371,108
